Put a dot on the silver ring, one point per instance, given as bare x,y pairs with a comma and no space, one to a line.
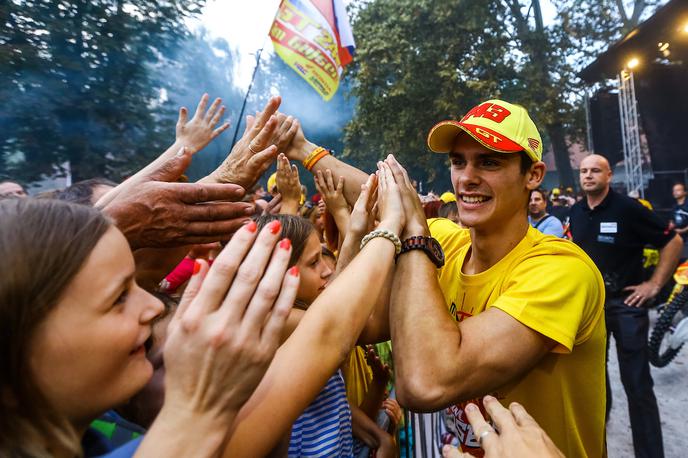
482,436
250,148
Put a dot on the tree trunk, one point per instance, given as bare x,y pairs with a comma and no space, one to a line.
561,154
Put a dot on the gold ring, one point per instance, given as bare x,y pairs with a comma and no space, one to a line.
251,149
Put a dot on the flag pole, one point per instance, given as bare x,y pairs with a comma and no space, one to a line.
248,91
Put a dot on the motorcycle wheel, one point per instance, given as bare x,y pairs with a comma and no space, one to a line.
660,357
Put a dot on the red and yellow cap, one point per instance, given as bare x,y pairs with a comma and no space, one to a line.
496,124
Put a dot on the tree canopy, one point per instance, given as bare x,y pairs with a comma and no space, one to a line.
422,61
80,86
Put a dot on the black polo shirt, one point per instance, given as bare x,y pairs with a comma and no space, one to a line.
614,234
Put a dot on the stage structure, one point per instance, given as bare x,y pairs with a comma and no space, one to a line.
639,107
630,134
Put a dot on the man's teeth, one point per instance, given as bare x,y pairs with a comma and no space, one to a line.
474,199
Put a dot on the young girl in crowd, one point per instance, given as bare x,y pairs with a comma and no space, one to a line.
73,324
325,427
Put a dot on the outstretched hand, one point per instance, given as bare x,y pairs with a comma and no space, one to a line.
197,133
517,434
154,211
264,136
332,194
229,322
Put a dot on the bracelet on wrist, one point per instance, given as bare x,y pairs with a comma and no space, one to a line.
314,156
391,236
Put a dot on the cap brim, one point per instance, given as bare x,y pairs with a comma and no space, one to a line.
443,135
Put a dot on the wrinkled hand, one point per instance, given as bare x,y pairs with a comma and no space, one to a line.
254,152
287,180
519,434
390,206
197,133
332,195
228,324
641,294
161,214
415,221
363,214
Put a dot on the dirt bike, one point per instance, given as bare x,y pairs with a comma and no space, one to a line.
671,330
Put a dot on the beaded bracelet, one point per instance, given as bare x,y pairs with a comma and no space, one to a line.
315,155
391,236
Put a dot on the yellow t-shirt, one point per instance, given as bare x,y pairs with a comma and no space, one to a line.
550,285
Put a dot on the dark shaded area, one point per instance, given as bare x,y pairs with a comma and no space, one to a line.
79,86
662,94
606,127
663,26
661,46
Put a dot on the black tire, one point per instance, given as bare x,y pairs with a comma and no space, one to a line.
664,323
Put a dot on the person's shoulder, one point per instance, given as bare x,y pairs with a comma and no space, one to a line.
442,225
557,251
443,229
552,219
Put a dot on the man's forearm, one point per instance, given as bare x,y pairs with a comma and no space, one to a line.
668,258
422,331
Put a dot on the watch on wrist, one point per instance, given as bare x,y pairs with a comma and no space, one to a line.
428,245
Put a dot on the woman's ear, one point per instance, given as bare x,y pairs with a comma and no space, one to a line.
535,175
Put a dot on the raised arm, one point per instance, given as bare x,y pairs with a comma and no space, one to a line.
321,342
437,361
191,136
289,186
335,202
266,135
299,150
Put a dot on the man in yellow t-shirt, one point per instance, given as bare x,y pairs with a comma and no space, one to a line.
525,321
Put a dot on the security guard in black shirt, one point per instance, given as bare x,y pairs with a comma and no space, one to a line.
613,229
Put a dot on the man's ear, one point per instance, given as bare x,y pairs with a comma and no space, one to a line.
535,175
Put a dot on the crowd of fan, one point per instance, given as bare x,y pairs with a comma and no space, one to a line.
167,318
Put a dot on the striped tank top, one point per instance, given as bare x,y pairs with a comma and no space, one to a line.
324,428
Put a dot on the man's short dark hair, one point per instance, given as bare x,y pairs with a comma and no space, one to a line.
542,191
526,162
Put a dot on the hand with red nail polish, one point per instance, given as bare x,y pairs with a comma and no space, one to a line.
228,325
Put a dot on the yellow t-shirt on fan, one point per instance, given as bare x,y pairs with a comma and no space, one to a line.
550,285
